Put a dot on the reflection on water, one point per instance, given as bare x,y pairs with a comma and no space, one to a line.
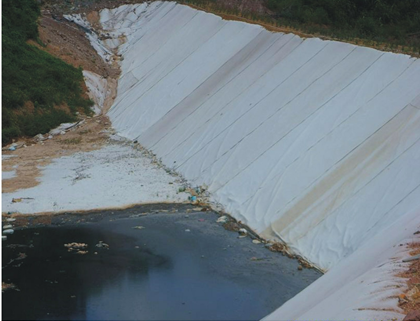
145,274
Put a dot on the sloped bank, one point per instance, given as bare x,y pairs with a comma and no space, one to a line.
313,142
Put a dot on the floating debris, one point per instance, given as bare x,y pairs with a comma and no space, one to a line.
222,219
8,231
256,241
243,231
102,245
138,227
76,247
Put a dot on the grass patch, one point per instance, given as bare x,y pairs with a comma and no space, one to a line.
30,74
386,25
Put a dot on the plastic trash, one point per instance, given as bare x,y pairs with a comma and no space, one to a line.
9,231
222,219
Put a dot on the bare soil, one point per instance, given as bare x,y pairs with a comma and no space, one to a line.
410,300
67,41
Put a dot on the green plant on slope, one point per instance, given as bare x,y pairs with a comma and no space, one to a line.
32,75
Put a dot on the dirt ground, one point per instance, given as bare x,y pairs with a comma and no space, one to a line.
409,301
67,41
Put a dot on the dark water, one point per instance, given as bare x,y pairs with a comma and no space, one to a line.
159,272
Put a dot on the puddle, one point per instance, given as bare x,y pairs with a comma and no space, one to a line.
160,271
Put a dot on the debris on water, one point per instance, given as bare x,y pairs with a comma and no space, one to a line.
277,247
186,216
82,252
241,236
256,241
243,231
193,198
4,238
231,226
8,231
222,219
256,259
6,227
7,286
21,256
12,148
187,230
197,209
300,268
75,247
202,256
181,189
10,219
201,220
138,227
102,245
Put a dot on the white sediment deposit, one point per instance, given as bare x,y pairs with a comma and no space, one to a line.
116,175
312,142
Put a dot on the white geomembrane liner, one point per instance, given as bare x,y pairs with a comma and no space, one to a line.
313,142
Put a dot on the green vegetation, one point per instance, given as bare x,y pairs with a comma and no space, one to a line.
32,75
381,20
384,24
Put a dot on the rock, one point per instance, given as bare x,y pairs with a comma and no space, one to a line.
222,219
39,138
9,231
412,316
55,132
300,268
6,227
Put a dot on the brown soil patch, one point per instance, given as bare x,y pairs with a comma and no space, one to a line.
410,300
67,41
29,161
